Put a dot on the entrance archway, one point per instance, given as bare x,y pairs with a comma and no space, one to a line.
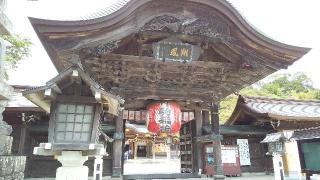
195,52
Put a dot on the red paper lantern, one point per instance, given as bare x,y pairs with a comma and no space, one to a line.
163,117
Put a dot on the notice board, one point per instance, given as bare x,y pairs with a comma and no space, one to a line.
311,155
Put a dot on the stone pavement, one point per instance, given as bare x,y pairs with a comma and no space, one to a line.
163,166
246,177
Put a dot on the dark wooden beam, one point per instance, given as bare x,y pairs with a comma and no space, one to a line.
227,52
118,146
198,150
217,164
151,60
75,99
22,140
206,118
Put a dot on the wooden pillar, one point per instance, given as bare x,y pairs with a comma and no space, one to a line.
123,144
198,150
153,150
22,140
206,119
118,147
217,163
131,150
135,151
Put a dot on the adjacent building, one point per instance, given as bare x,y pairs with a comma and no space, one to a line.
280,117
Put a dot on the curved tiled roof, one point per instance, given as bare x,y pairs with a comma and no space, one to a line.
276,109
284,107
106,11
308,133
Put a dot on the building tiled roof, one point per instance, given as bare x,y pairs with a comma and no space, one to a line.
106,11
275,109
284,107
309,133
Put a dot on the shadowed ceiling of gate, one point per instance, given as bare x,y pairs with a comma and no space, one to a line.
116,50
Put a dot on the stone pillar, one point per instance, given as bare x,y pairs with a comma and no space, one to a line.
117,147
72,166
11,167
217,163
198,150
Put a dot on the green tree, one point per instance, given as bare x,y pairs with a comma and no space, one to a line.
17,49
296,85
284,85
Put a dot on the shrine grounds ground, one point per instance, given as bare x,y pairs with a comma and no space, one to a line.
245,177
163,166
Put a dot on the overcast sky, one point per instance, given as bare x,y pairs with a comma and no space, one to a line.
293,22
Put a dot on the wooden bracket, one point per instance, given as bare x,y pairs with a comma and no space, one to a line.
50,94
75,77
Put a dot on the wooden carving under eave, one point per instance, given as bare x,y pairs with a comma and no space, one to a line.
210,28
126,74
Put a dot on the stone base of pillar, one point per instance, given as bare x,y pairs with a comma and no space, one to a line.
219,177
116,172
72,173
168,152
72,166
98,168
11,166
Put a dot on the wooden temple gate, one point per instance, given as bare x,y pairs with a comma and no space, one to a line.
193,52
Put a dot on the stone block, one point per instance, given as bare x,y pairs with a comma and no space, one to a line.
6,165
5,89
18,176
5,145
12,167
20,162
5,24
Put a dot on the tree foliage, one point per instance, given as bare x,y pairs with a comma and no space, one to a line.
297,86
17,49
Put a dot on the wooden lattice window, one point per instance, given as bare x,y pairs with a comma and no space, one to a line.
73,123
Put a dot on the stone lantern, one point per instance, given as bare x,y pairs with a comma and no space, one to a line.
276,148
76,104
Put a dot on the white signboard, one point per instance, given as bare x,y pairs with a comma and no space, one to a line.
244,152
228,156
